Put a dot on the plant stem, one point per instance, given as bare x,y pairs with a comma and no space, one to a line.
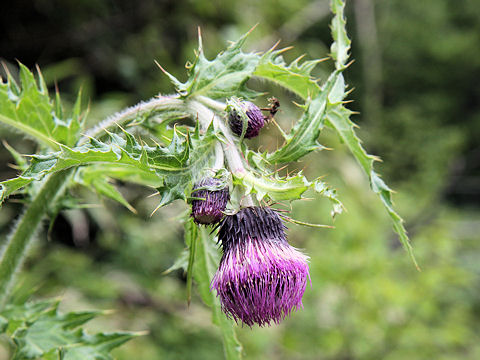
24,232
219,158
205,117
234,158
152,107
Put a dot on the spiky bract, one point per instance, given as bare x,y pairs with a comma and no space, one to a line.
210,201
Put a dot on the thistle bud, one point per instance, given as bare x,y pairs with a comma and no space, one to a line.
244,112
210,201
261,278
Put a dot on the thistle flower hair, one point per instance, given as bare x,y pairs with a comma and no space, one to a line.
210,201
244,112
261,278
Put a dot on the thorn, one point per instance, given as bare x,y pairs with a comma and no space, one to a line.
154,211
13,166
252,28
284,49
165,137
152,195
161,68
200,42
274,46
299,58
350,63
283,167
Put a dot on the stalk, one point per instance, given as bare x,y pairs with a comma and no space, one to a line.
25,230
233,156
152,107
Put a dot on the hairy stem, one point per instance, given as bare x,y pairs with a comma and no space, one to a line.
205,117
233,156
152,107
24,232
219,158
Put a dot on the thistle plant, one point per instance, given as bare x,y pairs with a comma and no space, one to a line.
260,278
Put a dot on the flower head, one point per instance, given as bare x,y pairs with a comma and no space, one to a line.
211,201
240,110
261,278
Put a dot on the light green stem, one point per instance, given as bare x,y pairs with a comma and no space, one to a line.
153,107
24,232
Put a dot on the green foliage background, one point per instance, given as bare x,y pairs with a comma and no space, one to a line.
414,77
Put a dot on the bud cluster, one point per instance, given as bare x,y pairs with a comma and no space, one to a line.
261,278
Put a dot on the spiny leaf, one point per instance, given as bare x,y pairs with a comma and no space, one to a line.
279,188
275,188
38,330
222,77
341,43
170,168
206,262
177,184
28,109
97,346
330,193
103,187
295,76
302,139
338,117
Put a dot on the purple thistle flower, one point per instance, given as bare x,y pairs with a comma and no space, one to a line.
209,205
255,117
261,278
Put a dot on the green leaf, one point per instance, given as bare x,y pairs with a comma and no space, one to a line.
28,109
206,262
180,263
102,186
339,118
191,236
290,188
295,77
341,43
170,169
97,346
38,330
302,139
274,187
330,193
222,77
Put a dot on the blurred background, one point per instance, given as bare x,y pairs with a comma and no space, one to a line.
415,80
